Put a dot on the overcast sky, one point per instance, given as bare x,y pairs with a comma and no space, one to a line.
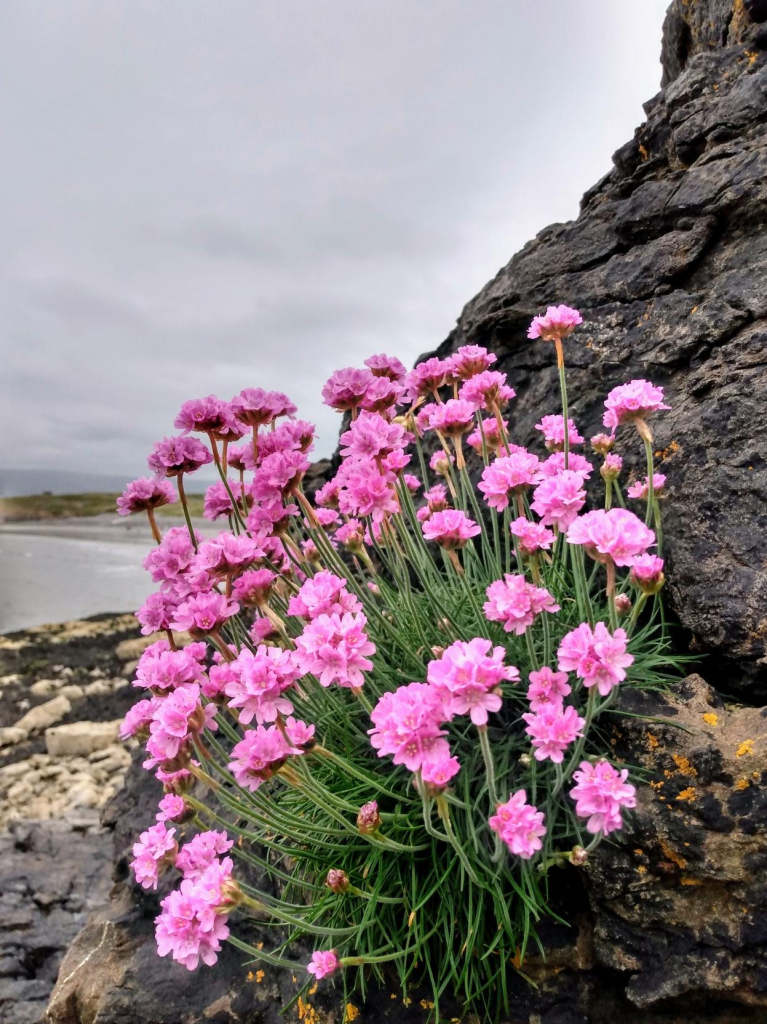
198,196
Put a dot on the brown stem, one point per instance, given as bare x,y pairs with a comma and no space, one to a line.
153,523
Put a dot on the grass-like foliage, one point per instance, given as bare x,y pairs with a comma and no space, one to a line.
402,832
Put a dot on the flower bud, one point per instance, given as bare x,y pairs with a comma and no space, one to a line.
524,760
368,819
602,443
337,880
647,573
578,856
611,467
623,604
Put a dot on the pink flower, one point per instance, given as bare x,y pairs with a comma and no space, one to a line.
555,464
195,857
175,455
139,717
155,848
368,492
346,388
291,436
172,557
371,436
382,395
450,529
647,573
492,436
641,488
427,377
163,669
299,733
637,399
334,648
471,359
412,483
259,754
204,613
515,602
519,825
236,456
386,366
323,964
532,537
255,407
228,553
509,474
147,492
558,499
602,443
406,725
258,681
171,807
558,322
487,390
352,535
452,418
323,594
552,730
597,656
615,534
553,428
439,772
547,689
254,588
178,719
217,501
157,612
278,475
208,415
600,793
467,678
192,923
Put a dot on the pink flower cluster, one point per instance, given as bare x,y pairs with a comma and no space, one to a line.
256,682
264,750
558,322
516,603
636,400
597,656
508,475
193,921
155,849
145,493
615,535
519,825
600,793
335,648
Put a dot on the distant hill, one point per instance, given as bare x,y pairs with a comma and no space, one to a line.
21,482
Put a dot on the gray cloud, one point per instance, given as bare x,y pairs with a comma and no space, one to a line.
201,197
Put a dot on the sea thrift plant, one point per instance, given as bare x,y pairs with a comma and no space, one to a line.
371,708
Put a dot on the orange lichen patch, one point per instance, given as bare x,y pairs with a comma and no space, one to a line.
639,853
687,794
657,785
664,453
644,155
260,975
684,765
690,881
516,960
652,741
641,870
742,784
675,858
693,310
427,1004
746,747
306,1012
250,975
711,719
751,55
350,1013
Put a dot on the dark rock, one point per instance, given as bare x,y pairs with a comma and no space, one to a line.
667,263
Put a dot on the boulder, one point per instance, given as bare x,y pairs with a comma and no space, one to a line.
80,738
11,735
45,715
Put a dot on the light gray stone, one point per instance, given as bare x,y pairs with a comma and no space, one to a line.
80,738
45,715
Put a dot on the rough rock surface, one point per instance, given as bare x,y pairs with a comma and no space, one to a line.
668,264
55,856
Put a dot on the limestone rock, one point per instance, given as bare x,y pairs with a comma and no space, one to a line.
45,715
80,738
11,735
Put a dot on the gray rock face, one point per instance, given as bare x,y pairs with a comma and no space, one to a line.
668,264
